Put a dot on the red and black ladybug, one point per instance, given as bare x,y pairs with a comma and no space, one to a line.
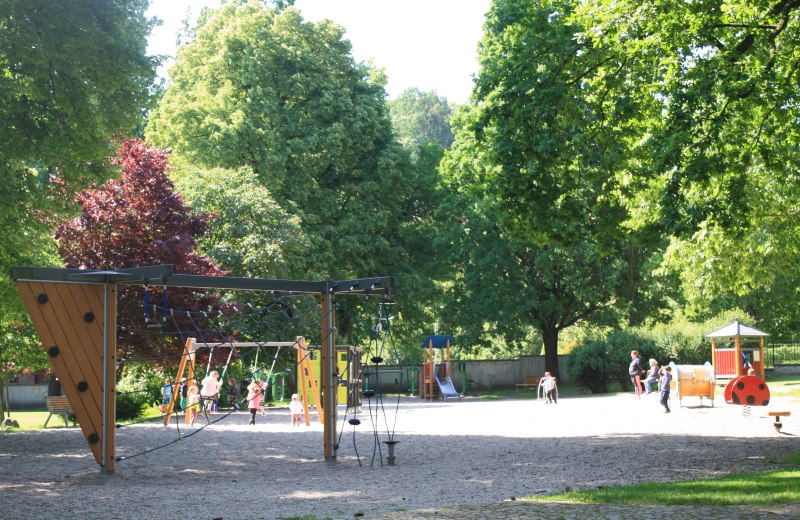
747,390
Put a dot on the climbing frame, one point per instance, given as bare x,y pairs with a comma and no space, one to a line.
69,320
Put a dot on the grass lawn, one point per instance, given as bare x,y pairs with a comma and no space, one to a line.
34,419
770,487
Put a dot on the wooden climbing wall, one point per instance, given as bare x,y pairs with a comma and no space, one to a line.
69,320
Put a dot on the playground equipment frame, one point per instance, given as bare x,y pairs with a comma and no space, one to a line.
33,284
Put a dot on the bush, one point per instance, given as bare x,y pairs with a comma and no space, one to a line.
589,365
602,359
130,406
138,387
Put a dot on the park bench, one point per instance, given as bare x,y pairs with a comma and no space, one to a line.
59,405
530,382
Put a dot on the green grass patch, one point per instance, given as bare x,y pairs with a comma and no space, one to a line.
34,419
770,487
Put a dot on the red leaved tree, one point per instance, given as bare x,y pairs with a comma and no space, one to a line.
134,221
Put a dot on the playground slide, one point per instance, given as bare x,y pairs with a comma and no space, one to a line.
447,389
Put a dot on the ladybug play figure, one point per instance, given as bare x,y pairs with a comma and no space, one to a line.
747,390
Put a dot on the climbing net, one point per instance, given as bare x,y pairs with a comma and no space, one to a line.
219,332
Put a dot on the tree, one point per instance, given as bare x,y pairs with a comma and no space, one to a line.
509,286
250,234
717,149
135,221
715,86
421,118
71,75
538,162
284,97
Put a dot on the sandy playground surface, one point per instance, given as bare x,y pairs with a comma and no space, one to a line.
463,452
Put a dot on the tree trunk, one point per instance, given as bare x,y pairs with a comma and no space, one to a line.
550,336
3,405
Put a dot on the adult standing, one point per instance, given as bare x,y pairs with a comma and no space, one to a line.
635,371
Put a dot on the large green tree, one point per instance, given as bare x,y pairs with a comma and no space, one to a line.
421,118
249,235
72,74
717,158
541,155
262,88
716,87
258,87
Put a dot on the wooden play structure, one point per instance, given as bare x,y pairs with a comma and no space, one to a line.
348,372
186,369
434,380
693,380
735,348
74,312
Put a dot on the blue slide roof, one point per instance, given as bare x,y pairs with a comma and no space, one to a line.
439,341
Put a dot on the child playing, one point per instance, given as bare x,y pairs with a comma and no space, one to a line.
254,398
664,386
233,388
210,391
549,386
166,394
192,402
184,393
296,409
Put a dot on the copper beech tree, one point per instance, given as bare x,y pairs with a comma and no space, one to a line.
138,220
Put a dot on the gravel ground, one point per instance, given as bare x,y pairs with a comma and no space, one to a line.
455,453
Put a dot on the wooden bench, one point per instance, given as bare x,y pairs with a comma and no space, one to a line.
777,415
59,404
530,382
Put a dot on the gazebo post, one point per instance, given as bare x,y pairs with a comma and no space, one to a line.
738,346
714,356
763,370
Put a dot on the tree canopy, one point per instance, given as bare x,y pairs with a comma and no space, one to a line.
285,97
249,234
134,221
72,75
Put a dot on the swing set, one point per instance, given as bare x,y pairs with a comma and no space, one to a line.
74,312
186,370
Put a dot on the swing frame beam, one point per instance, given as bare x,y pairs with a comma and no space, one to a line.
165,276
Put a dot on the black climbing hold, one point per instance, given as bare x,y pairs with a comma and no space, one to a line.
42,298
88,317
83,386
354,422
93,438
369,393
377,360
53,351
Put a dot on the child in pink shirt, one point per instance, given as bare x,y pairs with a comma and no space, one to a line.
254,399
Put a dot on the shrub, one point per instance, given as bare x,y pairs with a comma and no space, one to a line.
602,359
130,406
590,365
138,387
